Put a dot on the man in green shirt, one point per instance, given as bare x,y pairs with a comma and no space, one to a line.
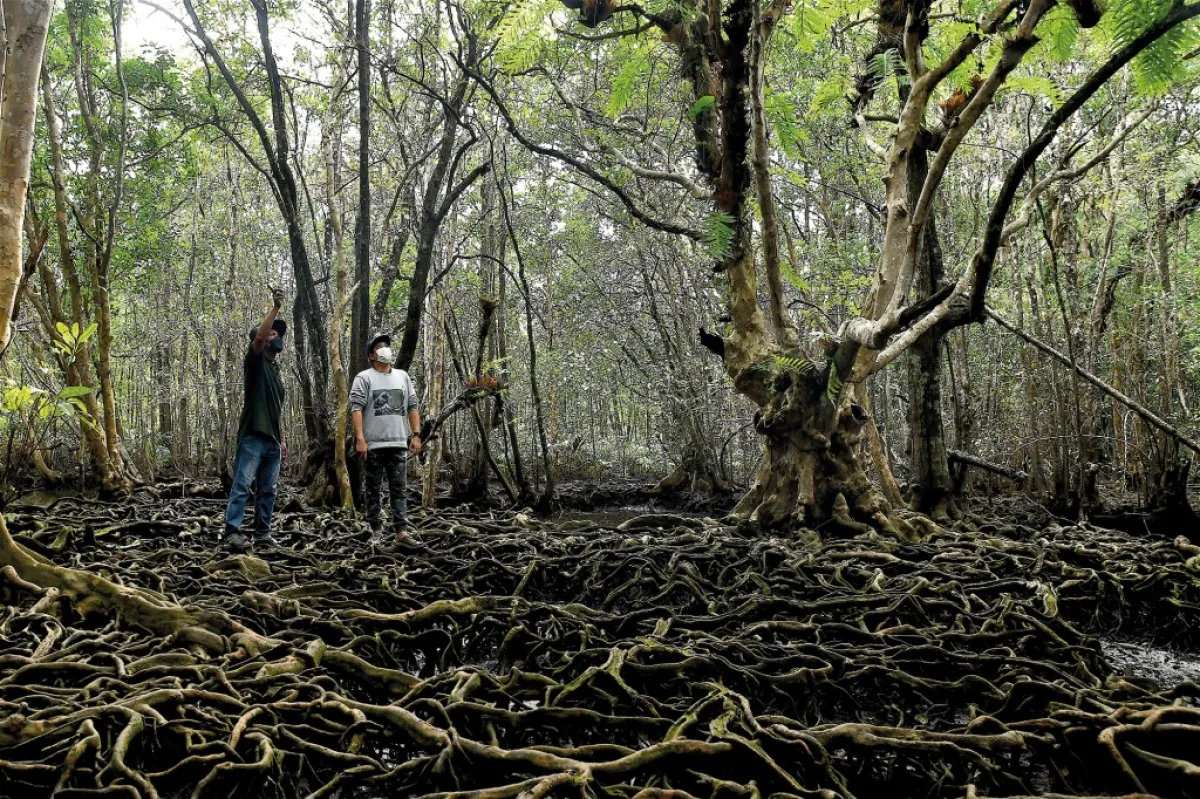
260,434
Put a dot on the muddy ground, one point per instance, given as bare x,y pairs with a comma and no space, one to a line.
602,654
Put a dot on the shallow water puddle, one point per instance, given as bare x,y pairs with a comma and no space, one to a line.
1165,667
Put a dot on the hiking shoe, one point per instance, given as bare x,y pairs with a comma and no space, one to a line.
402,542
265,542
236,541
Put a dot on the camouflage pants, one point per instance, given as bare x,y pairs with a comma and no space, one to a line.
392,463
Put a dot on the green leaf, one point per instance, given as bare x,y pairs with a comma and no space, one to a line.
717,234
91,330
796,364
74,391
1061,33
1161,64
833,389
781,111
810,23
700,106
522,33
17,398
793,277
1035,85
886,65
828,93
633,74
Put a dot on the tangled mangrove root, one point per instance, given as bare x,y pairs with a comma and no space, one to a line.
667,659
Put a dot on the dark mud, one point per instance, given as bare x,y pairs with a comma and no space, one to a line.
1164,668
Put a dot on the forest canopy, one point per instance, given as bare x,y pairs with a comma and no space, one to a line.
799,398
812,190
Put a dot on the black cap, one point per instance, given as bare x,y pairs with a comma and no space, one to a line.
378,337
278,325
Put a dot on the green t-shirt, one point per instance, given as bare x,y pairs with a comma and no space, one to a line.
264,397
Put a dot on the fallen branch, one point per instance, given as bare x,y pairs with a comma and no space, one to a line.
464,400
1124,399
967,459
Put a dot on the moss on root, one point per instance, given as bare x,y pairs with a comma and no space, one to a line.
677,657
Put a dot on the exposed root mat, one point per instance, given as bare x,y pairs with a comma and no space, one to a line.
676,658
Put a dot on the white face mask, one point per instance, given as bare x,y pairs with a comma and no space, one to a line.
384,355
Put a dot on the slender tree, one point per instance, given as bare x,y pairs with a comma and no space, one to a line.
26,24
360,306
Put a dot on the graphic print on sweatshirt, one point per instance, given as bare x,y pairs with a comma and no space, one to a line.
388,402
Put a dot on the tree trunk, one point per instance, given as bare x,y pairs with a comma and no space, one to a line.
440,194
181,448
879,456
1060,235
78,367
503,406
475,484
548,497
309,323
932,490
340,389
1166,495
100,224
435,374
360,309
26,23
810,475
1032,460
390,274
1103,300
781,323
480,425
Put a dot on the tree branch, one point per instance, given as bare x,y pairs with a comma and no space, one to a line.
243,102
553,152
463,185
1024,214
1125,400
974,282
980,271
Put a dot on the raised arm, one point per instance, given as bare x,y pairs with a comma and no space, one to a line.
264,330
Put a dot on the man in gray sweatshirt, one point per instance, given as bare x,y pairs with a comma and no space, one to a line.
383,408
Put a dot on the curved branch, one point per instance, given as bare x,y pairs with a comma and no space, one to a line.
553,152
973,284
1127,401
985,260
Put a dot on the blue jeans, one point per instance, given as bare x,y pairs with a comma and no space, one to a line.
257,457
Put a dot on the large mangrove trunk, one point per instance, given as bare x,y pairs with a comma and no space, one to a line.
811,474
811,470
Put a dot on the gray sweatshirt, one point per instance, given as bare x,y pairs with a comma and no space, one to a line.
384,398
